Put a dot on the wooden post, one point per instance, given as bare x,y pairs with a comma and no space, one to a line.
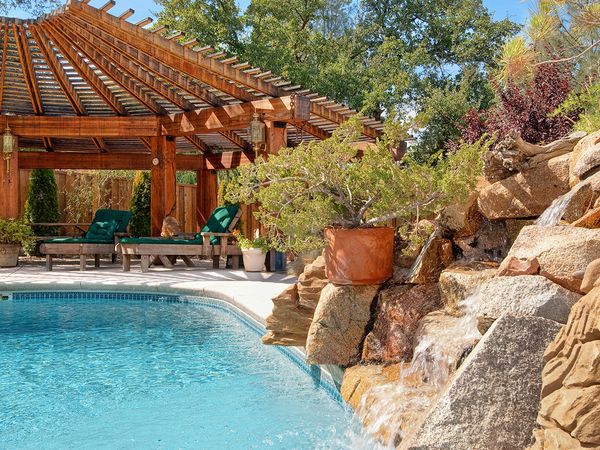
206,195
9,186
163,194
276,136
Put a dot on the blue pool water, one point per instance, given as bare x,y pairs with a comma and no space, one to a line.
118,373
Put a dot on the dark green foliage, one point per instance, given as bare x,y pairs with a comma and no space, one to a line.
139,225
42,201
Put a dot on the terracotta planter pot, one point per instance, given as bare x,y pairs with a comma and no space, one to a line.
254,259
359,256
9,255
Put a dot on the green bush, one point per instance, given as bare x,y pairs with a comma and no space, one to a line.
42,201
302,191
140,205
15,231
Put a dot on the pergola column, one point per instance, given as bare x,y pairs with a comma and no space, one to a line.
163,191
9,186
276,136
206,194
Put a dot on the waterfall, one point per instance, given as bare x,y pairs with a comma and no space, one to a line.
556,210
415,267
388,410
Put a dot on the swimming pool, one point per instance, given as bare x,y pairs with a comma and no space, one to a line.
113,371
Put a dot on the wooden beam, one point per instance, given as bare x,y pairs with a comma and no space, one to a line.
3,67
206,195
9,187
203,68
211,120
129,161
84,126
163,196
85,71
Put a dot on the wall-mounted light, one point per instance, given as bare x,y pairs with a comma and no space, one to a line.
9,144
256,130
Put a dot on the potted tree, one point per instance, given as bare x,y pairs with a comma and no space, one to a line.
14,234
254,251
330,195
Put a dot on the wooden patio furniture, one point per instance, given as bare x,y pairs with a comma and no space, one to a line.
108,226
211,241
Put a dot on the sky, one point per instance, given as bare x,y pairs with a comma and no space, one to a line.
516,10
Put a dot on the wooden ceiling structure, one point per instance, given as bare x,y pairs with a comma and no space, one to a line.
85,89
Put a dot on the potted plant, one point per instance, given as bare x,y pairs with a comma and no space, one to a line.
254,251
14,234
328,194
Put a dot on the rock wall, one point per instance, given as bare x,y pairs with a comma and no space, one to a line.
294,308
493,399
339,324
569,415
399,310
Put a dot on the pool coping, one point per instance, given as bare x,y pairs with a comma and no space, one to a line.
327,381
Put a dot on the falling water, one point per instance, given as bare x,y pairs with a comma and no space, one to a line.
556,210
417,263
388,410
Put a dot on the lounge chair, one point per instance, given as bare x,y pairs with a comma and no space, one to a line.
100,239
211,241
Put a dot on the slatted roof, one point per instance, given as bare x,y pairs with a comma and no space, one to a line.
85,61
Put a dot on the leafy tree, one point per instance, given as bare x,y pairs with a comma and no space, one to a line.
139,224
37,7
41,205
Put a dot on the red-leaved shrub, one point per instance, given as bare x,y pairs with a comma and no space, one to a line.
526,109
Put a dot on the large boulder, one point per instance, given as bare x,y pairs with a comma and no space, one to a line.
462,219
489,243
569,416
591,277
492,401
399,310
339,324
584,158
559,253
358,380
294,308
526,194
525,295
460,280
435,256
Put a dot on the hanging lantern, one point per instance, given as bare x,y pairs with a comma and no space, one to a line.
256,131
9,143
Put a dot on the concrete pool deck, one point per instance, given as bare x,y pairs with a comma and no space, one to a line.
251,292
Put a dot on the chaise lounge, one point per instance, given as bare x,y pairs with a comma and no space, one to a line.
211,241
100,239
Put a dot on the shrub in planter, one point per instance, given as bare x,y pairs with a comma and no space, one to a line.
254,251
308,193
14,234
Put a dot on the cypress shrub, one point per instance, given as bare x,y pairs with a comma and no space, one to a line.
140,205
42,201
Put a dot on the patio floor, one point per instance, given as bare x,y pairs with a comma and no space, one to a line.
252,292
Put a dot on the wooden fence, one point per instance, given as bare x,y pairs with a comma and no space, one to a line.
115,193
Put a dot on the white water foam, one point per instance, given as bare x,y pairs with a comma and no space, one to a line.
385,410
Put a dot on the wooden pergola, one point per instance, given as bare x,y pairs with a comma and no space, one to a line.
84,89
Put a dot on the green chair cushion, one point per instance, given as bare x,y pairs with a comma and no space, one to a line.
219,221
109,215
102,231
77,241
162,241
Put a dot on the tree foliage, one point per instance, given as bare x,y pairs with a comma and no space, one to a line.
41,205
529,109
139,225
302,191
